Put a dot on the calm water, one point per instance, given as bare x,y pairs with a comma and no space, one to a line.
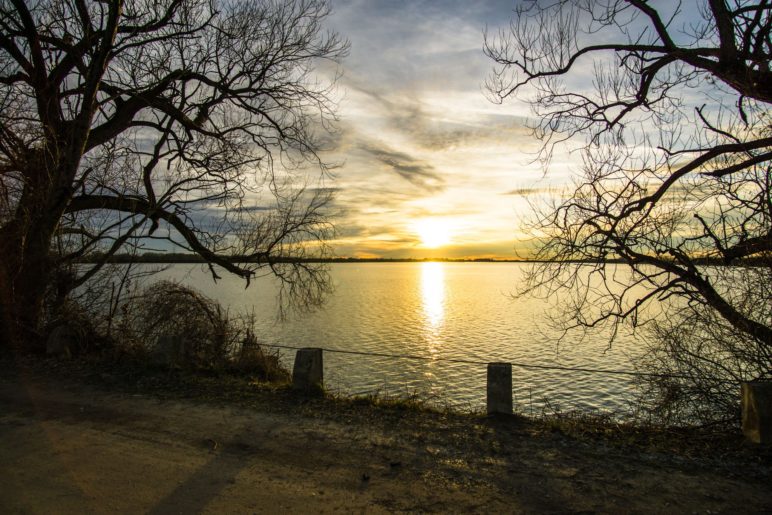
437,311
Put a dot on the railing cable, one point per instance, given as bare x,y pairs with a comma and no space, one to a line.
513,363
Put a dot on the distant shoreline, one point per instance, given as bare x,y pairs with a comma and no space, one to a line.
184,258
177,258
193,258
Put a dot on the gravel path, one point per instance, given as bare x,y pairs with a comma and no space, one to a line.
76,448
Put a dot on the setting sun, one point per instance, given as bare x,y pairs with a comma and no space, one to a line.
433,232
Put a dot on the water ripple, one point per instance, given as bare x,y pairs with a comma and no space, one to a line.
435,310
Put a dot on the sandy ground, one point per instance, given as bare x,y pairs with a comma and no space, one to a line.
78,449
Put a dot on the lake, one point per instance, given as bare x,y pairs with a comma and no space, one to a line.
436,311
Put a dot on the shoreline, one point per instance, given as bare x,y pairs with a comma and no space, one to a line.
178,258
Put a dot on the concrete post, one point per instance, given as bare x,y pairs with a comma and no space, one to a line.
308,372
499,388
757,411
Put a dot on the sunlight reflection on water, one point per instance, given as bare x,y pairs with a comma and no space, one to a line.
436,310
433,299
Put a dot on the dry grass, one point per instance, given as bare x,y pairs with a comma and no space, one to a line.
412,400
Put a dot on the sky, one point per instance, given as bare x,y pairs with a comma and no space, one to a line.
429,166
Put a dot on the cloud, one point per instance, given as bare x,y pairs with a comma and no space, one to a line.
418,172
528,191
436,134
417,116
417,138
255,209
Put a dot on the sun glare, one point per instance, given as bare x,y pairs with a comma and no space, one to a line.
433,232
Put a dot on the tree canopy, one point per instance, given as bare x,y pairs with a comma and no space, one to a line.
197,121
667,108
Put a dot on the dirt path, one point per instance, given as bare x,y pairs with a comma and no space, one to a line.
77,449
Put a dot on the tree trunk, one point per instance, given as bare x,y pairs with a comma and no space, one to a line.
24,277
26,263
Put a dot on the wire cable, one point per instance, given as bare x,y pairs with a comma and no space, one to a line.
475,362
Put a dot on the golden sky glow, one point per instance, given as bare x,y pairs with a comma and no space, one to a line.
430,168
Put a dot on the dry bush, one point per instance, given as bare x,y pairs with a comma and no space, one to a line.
701,366
180,326
255,359
177,326
71,330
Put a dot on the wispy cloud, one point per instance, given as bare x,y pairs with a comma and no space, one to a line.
416,171
530,191
430,126
417,137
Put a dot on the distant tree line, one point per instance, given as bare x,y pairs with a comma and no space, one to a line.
183,257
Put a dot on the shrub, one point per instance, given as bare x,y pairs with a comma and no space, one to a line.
180,326
170,325
701,361
253,358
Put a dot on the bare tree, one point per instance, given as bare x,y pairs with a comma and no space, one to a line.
189,120
668,109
